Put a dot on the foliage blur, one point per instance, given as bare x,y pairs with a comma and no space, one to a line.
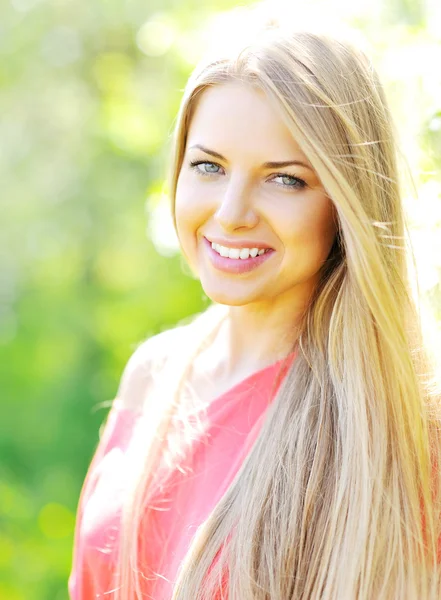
88,263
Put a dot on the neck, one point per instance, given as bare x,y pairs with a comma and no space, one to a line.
256,335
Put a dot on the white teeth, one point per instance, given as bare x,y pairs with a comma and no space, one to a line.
237,253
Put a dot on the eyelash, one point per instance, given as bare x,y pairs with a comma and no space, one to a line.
300,184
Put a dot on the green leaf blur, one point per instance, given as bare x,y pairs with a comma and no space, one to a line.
88,262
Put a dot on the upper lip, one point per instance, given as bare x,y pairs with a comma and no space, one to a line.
238,243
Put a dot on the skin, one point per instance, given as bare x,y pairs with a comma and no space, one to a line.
241,200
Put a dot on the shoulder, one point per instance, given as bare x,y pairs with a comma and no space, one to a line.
151,356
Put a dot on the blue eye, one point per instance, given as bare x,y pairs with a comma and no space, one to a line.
289,181
211,168
209,171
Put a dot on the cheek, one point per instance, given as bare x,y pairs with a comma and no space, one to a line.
309,227
184,206
190,215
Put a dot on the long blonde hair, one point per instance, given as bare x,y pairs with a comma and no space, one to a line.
337,499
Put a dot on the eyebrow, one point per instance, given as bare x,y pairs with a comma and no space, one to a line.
267,165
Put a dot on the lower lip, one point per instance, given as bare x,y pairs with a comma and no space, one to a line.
235,265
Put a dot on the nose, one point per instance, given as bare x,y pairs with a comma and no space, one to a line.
236,208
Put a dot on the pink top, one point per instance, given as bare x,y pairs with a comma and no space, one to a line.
234,419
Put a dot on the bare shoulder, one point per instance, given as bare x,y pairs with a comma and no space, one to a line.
148,358
151,356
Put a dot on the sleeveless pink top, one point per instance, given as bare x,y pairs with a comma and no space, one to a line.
188,497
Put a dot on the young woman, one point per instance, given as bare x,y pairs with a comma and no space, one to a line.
283,445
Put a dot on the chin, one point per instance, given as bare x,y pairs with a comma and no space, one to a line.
228,301
229,298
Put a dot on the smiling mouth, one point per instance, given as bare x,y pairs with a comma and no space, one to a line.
235,253
236,260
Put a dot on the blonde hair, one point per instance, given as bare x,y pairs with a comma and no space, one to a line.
347,503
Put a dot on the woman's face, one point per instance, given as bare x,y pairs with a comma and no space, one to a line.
271,224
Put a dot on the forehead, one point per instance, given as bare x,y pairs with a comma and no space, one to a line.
239,118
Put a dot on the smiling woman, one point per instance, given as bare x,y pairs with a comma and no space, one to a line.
285,444
244,201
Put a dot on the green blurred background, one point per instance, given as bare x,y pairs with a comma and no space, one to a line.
89,267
